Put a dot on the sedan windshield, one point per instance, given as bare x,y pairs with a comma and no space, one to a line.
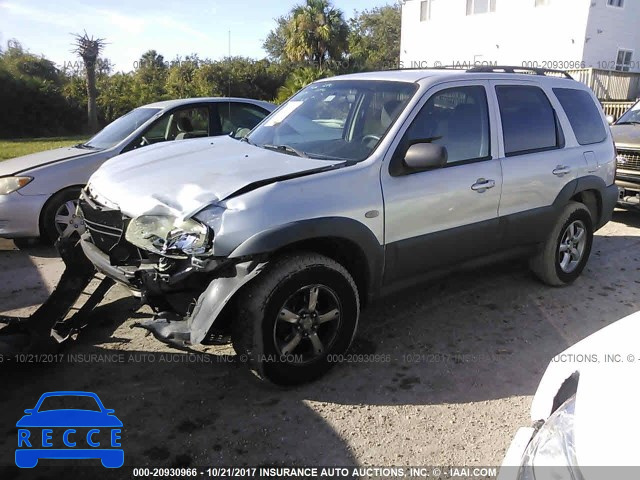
120,128
69,402
631,116
342,119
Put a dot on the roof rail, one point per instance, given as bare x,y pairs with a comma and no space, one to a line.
526,70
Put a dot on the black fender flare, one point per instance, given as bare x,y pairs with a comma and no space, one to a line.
582,184
340,228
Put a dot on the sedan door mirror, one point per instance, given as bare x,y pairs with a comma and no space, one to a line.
424,156
611,119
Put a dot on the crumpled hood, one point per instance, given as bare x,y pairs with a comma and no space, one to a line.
28,162
626,135
606,416
179,178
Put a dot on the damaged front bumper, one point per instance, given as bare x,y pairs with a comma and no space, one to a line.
212,284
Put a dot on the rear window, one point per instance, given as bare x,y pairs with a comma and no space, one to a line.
583,115
528,120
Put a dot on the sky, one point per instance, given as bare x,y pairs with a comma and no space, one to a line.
131,28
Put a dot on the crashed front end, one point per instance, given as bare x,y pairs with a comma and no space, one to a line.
170,263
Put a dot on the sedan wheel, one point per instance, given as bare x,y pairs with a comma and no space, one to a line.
59,219
67,222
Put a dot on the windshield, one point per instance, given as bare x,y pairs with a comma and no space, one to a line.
342,119
69,402
120,128
631,116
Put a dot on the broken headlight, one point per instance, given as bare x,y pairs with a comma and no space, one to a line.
169,236
552,451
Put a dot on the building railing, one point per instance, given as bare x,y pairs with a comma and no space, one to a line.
616,109
609,85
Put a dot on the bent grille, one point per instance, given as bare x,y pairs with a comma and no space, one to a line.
629,159
105,225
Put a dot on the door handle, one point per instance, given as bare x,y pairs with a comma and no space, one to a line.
561,171
482,185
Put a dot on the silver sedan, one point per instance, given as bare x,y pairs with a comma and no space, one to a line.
38,192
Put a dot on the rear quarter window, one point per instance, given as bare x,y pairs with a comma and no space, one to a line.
583,115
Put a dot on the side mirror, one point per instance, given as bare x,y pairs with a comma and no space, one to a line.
424,156
611,119
29,411
109,411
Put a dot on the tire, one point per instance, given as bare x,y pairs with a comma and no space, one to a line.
287,337
60,204
563,256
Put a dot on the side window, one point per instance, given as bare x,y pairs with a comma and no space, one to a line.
189,123
456,118
583,115
239,118
529,122
178,125
157,132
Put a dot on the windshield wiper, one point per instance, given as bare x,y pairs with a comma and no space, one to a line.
286,148
628,123
85,146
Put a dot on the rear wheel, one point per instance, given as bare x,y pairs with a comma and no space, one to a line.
567,249
59,217
302,310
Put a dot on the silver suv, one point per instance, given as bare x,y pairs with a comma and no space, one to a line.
357,186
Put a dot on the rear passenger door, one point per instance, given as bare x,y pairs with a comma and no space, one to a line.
440,217
536,166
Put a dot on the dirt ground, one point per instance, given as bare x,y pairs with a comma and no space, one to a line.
465,355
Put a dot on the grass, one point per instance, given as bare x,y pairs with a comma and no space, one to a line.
25,146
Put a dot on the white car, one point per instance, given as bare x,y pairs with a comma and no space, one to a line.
585,412
39,192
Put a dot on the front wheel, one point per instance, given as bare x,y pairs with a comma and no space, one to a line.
298,314
59,219
567,249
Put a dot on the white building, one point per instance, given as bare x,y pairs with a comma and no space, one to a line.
562,34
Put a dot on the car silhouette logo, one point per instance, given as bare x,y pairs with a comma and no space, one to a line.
90,432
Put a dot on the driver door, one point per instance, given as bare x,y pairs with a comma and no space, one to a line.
437,218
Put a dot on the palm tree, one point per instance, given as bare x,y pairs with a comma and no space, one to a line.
89,48
316,32
299,79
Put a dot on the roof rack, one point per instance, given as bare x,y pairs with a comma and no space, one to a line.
526,70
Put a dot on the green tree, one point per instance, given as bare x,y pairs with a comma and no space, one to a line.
316,33
298,80
117,96
374,40
31,92
276,41
150,78
180,77
88,49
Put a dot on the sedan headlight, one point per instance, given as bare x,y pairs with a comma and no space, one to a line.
12,184
169,236
552,453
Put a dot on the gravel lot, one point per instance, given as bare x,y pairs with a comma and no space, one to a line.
465,357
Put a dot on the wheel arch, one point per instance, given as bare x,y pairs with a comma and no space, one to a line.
586,190
347,241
